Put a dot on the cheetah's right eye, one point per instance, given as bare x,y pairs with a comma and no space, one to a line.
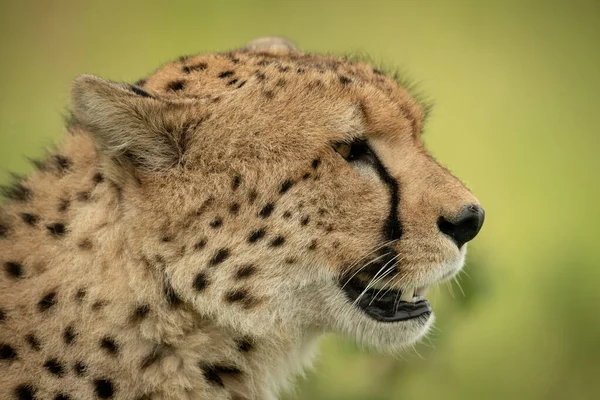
357,150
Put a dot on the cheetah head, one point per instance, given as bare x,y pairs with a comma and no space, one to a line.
283,191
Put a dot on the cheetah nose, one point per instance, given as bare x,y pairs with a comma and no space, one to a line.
463,227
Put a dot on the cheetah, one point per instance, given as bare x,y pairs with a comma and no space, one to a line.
197,232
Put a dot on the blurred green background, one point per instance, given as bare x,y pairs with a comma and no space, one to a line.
516,86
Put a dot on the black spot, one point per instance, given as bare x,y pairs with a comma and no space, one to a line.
140,92
236,182
104,388
80,368
30,219
240,296
290,260
172,298
25,392
316,162
166,239
98,304
14,269
33,342
245,345
83,196
345,80
176,86
80,295
232,82
200,244
313,244
234,208
225,74
300,71
98,177
63,205
287,215
216,223
57,230
245,271
278,241
62,162
107,343
55,367
62,396
2,315
242,83
212,373
256,235
304,221
196,67
306,176
252,196
220,256
285,186
3,231
69,335
85,244
269,94
266,210
47,302
7,352
200,282
140,312
16,192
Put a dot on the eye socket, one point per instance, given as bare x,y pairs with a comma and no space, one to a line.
357,150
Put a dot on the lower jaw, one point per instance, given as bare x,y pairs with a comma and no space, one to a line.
387,307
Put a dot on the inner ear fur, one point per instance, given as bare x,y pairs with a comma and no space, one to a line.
130,127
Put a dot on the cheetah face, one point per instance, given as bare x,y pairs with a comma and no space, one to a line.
301,184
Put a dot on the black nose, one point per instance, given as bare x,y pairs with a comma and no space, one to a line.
465,226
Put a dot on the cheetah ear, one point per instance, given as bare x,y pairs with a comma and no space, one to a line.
130,126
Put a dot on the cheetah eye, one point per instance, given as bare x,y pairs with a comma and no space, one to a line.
357,150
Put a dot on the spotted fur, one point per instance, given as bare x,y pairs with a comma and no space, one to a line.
187,239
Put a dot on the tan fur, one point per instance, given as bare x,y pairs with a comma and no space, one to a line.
138,281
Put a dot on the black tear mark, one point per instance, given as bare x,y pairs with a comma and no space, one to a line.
140,92
107,343
55,367
267,210
176,86
14,269
47,302
226,74
200,282
220,256
16,192
256,235
7,352
30,219
69,335
104,388
212,373
33,342
25,391
56,230
392,228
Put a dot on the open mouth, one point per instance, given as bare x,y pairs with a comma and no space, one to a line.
386,304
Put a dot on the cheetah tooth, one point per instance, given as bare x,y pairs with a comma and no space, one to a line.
407,295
